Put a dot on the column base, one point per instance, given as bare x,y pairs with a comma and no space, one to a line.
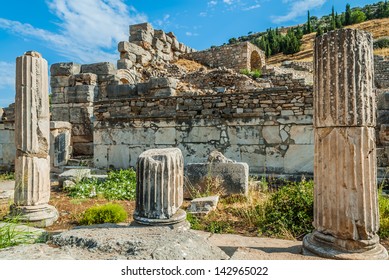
39,215
178,217
327,246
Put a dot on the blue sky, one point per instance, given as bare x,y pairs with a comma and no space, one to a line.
87,31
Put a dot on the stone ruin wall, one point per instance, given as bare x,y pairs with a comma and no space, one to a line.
236,56
7,136
381,76
271,130
116,115
147,45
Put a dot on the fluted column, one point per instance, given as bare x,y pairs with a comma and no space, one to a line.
32,138
159,189
346,217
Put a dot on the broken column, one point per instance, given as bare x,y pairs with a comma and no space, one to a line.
159,187
346,218
32,138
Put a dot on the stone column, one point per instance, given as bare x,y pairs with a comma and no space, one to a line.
159,187
346,218
32,134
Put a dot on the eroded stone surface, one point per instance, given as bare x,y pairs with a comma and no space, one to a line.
159,190
346,217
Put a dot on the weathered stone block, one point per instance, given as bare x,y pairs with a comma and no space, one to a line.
160,34
163,92
59,81
144,59
65,69
141,36
81,129
147,27
119,91
80,115
156,83
125,63
101,68
159,191
82,149
203,205
234,175
83,79
74,175
82,94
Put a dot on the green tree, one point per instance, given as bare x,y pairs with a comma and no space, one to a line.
338,21
308,28
347,17
232,40
333,20
357,17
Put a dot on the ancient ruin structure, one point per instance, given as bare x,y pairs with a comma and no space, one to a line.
345,201
240,56
150,101
32,140
159,187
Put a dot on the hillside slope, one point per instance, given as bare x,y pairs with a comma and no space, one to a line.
378,27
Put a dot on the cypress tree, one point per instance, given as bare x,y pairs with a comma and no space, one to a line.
347,18
333,20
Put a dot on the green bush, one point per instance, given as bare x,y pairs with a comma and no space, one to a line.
254,74
108,213
195,222
381,43
289,211
383,202
7,176
120,185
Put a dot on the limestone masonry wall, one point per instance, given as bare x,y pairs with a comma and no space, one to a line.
146,45
271,130
381,74
237,56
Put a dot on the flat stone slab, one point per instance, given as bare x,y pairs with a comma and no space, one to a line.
111,241
99,243
75,174
203,205
25,233
234,174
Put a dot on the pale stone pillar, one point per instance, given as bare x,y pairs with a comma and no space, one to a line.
159,187
32,138
346,218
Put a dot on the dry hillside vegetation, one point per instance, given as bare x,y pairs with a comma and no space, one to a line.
378,27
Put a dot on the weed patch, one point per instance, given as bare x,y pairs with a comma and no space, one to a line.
120,185
7,176
289,211
108,213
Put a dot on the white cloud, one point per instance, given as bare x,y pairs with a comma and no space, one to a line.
298,8
212,3
7,74
164,22
191,34
251,7
228,2
89,29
